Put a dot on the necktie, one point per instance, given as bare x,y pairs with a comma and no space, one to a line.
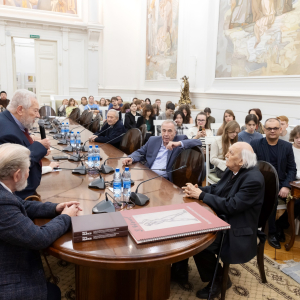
30,140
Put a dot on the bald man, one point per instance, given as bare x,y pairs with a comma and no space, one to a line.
239,196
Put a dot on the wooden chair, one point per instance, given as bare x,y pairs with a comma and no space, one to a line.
75,114
270,200
86,119
211,177
194,172
95,126
131,141
47,111
143,130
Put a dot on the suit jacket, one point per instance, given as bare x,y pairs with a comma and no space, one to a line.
141,120
151,148
286,161
111,133
242,208
22,274
11,133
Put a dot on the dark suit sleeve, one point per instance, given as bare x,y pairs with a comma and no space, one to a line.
117,130
36,209
190,143
291,170
142,151
244,199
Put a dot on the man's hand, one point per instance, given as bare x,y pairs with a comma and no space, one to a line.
127,161
62,206
92,138
71,211
54,164
48,152
173,145
192,191
283,193
45,143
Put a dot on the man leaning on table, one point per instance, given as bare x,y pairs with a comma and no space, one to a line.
160,152
22,274
239,196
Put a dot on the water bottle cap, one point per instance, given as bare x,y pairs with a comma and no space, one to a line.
78,132
117,170
96,146
67,123
126,169
63,123
91,147
72,132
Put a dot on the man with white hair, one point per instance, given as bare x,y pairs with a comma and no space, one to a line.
15,122
239,196
160,152
22,274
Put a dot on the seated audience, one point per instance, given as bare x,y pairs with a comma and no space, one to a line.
138,106
160,152
114,104
135,98
201,129
22,273
239,196
15,123
220,146
156,110
250,134
71,106
210,119
280,155
130,117
147,101
158,103
285,134
259,126
107,102
83,104
125,108
228,116
167,115
120,101
178,118
147,118
295,138
110,135
102,102
3,101
187,114
92,106
62,109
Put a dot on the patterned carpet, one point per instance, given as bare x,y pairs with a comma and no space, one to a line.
245,278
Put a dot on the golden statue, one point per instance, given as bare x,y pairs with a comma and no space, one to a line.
185,92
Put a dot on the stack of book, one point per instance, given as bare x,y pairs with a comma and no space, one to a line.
98,226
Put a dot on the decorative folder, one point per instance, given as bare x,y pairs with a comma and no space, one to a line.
172,221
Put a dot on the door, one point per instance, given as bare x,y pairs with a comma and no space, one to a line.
46,70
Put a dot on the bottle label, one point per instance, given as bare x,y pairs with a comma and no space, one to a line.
117,189
126,184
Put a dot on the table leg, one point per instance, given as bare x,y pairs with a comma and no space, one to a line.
143,284
290,211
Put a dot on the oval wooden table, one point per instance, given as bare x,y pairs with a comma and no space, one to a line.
118,268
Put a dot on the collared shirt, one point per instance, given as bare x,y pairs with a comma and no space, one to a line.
92,107
8,189
181,129
18,123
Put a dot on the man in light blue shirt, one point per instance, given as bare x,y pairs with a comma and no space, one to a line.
92,106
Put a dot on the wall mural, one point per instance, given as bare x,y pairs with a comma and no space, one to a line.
258,38
62,6
162,39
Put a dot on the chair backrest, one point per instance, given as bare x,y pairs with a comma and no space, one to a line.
47,111
75,114
214,127
85,112
208,141
194,160
271,192
95,126
86,119
143,129
131,141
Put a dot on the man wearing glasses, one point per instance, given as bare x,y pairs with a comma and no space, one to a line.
280,155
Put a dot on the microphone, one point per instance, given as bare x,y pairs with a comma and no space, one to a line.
141,199
42,128
105,206
87,149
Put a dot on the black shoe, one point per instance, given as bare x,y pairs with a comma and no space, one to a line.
180,274
216,291
273,241
280,235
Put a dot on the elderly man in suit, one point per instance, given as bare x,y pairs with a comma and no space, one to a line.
22,275
111,131
15,122
239,196
280,155
160,152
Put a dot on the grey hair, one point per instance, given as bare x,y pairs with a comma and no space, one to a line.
249,159
169,122
20,98
14,157
115,111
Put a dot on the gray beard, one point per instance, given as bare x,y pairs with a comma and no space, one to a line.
20,186
26,123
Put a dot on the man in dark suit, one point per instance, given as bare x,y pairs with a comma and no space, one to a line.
22,274
111,131
280,155
239,196
15,122
160,152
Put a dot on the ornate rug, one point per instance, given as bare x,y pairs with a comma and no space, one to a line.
246,283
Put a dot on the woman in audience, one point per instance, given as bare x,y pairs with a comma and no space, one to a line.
201,129
220,146
295,138
102,102
62,108
228,116
125,108
155,109
84,102
107,102
259,127
147,101
138,106
178,118
147,118
130,117
250,134
187,114
71,106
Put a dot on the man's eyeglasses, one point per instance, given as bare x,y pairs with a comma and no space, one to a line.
272,129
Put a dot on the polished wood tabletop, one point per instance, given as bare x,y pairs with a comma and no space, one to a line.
120,253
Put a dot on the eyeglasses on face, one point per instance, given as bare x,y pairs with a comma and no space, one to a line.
198,120
272,129
233,132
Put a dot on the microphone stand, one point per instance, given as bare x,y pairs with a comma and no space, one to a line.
105,206
99,183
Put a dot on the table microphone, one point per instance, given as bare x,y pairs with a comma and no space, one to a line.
105,206
141,199
42,128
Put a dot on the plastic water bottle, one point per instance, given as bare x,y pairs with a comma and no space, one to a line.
96,156
126,185
67,128
117,185
72,140
62,129
90,157
78,140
